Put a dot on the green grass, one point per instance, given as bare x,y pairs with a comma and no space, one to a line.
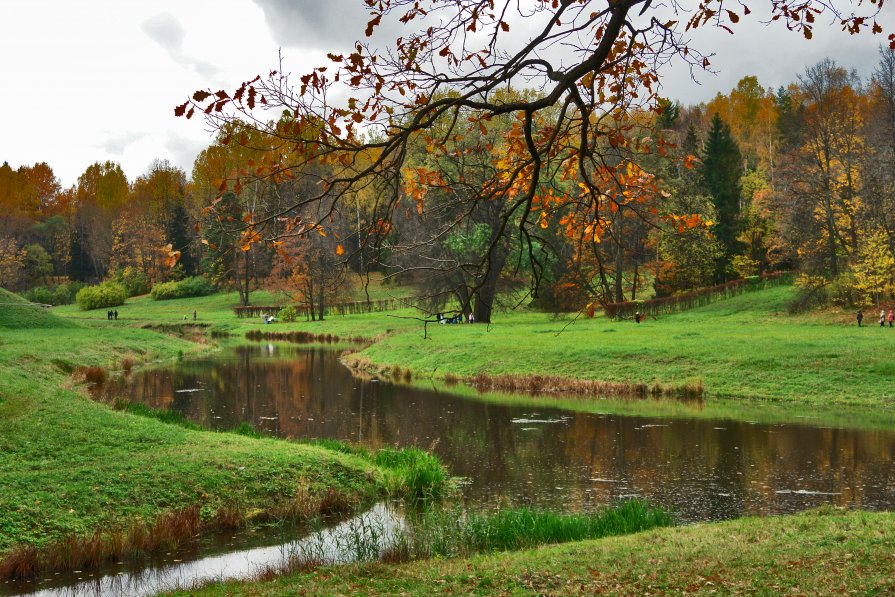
16,313
453,532
71,465
746,347
747,351
818,552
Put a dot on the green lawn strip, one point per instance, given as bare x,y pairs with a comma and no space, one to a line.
818,552
746,350
71,465
746,347
743,347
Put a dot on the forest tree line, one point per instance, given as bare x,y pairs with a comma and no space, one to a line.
756,180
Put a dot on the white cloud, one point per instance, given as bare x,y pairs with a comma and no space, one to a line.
98,80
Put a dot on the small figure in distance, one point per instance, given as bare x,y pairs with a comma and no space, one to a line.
471,317
882,318
194,315
890,317
116,314
637,317
859,316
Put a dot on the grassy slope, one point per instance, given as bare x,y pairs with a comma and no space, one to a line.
819,552
68,464
17,313
744,347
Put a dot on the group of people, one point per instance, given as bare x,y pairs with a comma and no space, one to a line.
883,317
112,315
458,318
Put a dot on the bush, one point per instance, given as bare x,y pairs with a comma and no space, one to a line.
132,280
62,294
42,295
195,286
287,314
107,294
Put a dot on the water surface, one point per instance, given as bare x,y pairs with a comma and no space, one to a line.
527,456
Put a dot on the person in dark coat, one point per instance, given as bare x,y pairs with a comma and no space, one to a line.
859,316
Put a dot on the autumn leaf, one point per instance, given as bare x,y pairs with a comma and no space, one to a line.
339,250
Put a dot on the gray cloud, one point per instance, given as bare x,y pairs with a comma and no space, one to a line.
183,150
333,25
165,30
117,144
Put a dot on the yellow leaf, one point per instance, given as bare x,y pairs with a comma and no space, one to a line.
340,250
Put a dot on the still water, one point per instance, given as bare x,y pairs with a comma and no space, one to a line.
534,456
505,455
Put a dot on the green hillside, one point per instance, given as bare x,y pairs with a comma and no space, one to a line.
18,314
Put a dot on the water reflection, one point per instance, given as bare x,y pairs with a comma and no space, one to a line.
357,539
704,470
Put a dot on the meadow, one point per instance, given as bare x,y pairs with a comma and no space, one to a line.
78,475
745,349
822,551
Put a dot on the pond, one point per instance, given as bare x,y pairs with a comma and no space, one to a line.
534,456
540,456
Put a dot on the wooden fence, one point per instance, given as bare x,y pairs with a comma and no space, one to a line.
695,298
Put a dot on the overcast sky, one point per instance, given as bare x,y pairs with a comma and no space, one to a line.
96,80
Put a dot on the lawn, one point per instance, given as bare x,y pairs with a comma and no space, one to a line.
747,348
71,466
818,552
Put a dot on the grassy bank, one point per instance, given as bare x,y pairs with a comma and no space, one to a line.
746,347
817,552
71,467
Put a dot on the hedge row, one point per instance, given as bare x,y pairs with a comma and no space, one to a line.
195,286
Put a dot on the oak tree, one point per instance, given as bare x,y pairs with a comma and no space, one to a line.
594,62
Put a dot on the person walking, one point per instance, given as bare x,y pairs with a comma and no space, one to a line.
194,315
890,317
882,318
859,316
116,314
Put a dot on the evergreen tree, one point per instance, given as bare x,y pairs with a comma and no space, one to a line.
722,166
177,231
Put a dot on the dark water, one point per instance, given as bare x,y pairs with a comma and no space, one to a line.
703,470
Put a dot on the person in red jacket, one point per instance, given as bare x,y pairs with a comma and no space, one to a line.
890,317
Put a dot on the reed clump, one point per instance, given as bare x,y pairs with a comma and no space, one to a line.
93,374
89,552
452,533
127,364
552,384
413,473
299,337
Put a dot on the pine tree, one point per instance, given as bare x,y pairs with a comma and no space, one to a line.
721,169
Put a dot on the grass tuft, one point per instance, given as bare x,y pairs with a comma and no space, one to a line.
413,473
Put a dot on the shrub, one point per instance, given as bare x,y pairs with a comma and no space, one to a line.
41,294
62,294
287,314
132,280
107,294
195,286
